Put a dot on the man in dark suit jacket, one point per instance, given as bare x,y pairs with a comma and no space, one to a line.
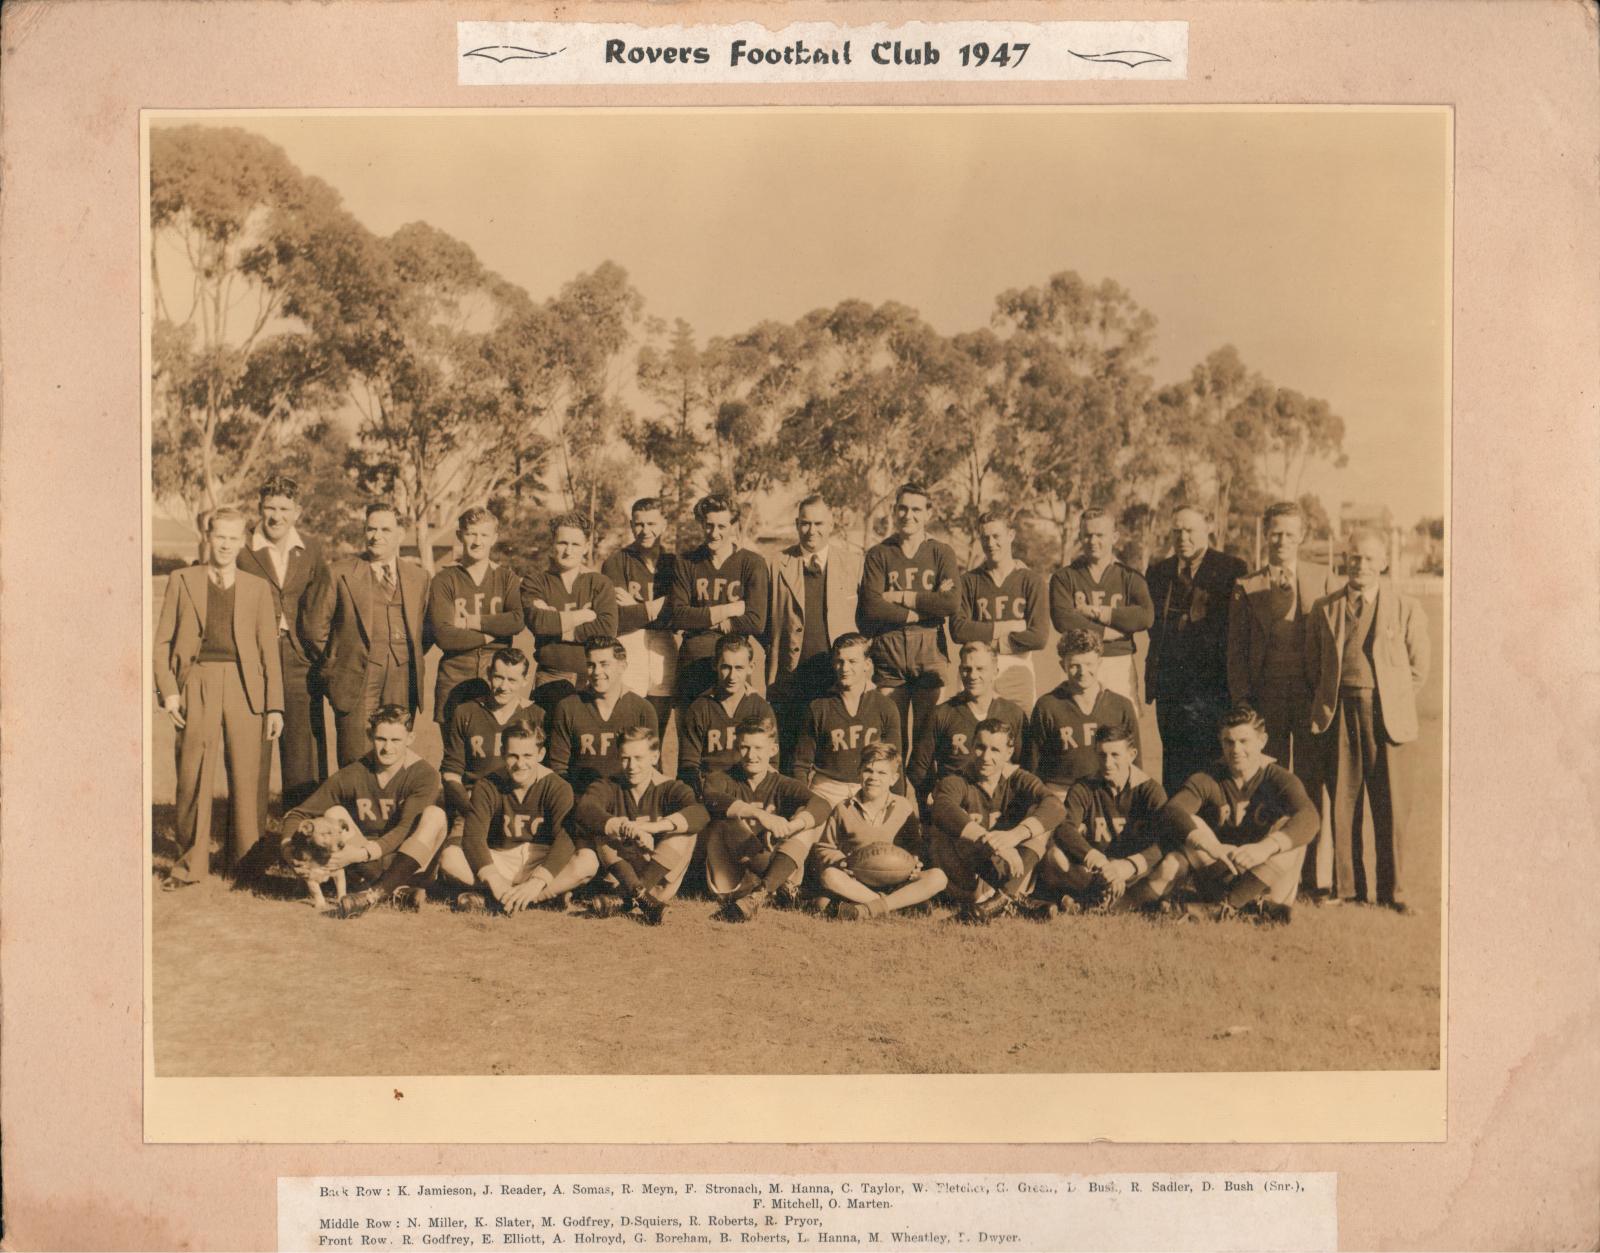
1186,673
366,627
290,564
218,671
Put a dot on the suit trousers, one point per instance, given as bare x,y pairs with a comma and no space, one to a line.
388,683
1187,720
1364,765
1287,713
219,726
302,753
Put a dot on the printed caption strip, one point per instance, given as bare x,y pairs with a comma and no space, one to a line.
493,54
1060,1213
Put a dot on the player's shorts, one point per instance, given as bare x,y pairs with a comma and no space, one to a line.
640,858
1120,675
834,792
909,657
961,861
1280,872
1015,680
652,665
517,861
737,855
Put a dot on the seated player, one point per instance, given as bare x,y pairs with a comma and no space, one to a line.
565,605
472,737
763,824
392,797
643,827
839,726
1058,744
991,826
874,814
705,735
1238,831
945,745
585,735
516,845
1109,841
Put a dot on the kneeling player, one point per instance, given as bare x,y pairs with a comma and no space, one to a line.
516,846
856,832
763,824
991,825
391,795
1109,841
643,826
1239,829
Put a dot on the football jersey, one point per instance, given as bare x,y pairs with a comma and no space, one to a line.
605,799
1019,597
1119,588
705,736
946,745
831,737
584,746
1017,797
852,826
645,575
472,745
545,596
385,812
499,817
1059,742
1243,813
776,793
1119,822
452,596
699,583
933,574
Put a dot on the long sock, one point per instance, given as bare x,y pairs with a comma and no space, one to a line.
1246,888
778,871
655,874
400,872
625,876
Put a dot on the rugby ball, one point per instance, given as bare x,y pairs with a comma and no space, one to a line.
882,865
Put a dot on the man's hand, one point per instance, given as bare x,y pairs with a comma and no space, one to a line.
1248,856
733,609
1096,862
473,621
770,822
274,725
1116,876
529,892
174,707
496,882
354,852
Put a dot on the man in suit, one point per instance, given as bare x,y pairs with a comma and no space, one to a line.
814,587
365,625
290,564
1367,656
1186,673
1267,658
220,675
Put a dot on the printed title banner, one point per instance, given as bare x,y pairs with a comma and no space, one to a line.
574,53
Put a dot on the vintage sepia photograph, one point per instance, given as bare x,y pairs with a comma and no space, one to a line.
875,591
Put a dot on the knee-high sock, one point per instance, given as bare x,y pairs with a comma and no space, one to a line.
778,871
401,871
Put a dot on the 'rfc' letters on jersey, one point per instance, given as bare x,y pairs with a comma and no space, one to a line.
843,739
719,591
495,605
374,811
586,744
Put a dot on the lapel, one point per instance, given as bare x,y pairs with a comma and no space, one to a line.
413,587
790,572
363,594
241,629
194,582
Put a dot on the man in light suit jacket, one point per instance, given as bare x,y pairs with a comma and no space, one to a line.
366,626
814,586
1267,626
1367,657
218,671
291,564
1186,672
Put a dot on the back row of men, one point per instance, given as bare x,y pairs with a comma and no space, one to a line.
850,650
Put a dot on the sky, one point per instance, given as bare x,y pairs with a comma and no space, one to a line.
1316,242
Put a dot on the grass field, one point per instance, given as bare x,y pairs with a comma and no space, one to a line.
249,984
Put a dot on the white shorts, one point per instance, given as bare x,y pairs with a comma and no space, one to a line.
1119,674
517,861
652,665
1015,680
832,791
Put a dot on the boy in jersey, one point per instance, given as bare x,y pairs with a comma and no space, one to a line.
718,588
1003,605
1239,829
991,826
517,848
876,814
566,604
763,825
1059,744
705,737
643,827
642,575
474,609
392,796
839,726
945,746
472,737
1097,593
586,731
909,587
1110,839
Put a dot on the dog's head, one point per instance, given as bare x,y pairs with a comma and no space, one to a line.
308,848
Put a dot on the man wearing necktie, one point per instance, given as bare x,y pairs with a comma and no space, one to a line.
1267,626
366,626
814,586
218,671
1367,656
1186,673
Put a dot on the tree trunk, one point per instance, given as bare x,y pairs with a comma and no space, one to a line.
425,542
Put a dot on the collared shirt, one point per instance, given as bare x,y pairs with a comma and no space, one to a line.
222,576
1281,576
1191,567
378,567
817,562
278,554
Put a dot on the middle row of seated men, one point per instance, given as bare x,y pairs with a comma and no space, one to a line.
999,809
